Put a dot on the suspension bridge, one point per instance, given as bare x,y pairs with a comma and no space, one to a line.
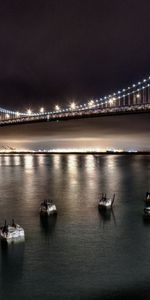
134,99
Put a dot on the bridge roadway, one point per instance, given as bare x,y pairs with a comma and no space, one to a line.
80,114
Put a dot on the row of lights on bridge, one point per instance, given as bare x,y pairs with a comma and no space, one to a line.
108,99
73,106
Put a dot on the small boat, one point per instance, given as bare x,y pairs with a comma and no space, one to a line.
106,203
12,233
147,197
147,212
48,207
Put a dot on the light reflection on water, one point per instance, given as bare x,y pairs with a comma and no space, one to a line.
82,251
56,161
28,161
17,160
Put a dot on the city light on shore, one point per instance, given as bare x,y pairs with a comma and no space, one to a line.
85,150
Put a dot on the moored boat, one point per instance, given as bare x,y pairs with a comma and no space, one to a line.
146,212
106,203
48,207
12,233
147,197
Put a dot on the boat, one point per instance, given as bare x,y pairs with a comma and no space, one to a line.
147,212
48,207
12,233
106,203
147,197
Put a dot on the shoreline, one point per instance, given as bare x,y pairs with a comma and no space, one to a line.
76,152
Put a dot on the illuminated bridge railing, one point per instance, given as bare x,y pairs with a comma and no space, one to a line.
133,99
99,112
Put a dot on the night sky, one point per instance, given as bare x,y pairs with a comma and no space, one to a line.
56,51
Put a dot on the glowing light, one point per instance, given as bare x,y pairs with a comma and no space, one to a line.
7,116
91,103
42,110
29,111
137,95
57,107
17,114
72,105
111,101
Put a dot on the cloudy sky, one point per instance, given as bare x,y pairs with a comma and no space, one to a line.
56,51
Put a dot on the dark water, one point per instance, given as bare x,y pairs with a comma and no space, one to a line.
80,254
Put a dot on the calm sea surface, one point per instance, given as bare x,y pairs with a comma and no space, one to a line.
80,254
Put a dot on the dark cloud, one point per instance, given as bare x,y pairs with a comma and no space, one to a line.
56,50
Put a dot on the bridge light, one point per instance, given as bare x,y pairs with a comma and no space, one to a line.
72,105
17,114
7,116
42,110
111,101
29,112
137,95
91,103
57,107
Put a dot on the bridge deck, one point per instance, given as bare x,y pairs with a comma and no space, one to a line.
80,114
